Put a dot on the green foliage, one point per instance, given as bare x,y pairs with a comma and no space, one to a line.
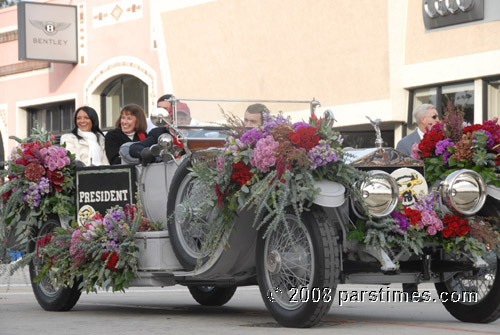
21,213
106,258
289,183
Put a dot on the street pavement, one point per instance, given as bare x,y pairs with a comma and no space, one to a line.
171,310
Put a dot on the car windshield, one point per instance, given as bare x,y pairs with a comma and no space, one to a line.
208,118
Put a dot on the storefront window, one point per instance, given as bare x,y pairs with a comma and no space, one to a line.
120,92
493,99
56,118
461,96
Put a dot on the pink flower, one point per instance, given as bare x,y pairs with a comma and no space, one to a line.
220,163
415,151
55,158
431,230
263,155
426,218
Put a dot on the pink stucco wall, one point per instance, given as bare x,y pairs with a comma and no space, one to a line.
126,39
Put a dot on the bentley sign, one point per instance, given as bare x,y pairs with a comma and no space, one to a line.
47,32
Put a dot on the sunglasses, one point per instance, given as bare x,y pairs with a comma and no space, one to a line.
435,116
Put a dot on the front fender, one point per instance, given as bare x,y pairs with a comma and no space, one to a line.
493,191
331,194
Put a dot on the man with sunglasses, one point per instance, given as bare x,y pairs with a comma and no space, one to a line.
426,116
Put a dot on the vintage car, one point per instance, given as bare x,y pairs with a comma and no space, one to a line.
297,266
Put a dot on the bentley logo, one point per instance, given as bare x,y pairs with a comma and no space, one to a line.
50,28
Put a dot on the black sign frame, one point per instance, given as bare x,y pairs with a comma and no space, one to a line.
104,187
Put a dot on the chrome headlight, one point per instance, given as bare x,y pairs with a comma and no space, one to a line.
463,191
380,194
158,116
165,141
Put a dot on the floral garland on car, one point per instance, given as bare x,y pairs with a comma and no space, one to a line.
453,145
100,253
269,169
426,224
39,182
447,147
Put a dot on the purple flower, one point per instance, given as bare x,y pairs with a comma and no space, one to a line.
401,221
250,137
298,125
442,149
489,142
270,123
35,191
322,154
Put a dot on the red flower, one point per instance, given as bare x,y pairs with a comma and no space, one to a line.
111,260
281,167
34,171
6,196
220,196
56,179
428,143
463,230
446,232
129,211
304,137
241,173
453,226
412,214
21,161
456,226
43,242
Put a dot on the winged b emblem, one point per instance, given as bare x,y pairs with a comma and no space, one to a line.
49,27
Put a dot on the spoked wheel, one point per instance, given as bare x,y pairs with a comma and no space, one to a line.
187,237
298,269
473,296
50,296
212,295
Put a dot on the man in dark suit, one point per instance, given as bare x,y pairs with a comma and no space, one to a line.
426,116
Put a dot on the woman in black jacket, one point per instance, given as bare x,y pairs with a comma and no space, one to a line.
130,127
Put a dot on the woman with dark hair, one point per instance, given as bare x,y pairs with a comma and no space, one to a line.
130,127
86,140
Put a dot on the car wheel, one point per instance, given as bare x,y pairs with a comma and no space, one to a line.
298,269
212,295
50,296
186,237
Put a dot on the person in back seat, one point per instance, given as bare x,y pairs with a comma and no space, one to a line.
130,127
152,138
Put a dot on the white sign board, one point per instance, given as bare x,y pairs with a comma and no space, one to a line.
47,32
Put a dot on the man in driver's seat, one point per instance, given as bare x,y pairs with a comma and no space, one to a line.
253,115
183,118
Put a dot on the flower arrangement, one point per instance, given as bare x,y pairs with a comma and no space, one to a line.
453,145
425,225
447,147
270,168
101,253
39,182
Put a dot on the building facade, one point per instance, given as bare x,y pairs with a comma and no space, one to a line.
376,58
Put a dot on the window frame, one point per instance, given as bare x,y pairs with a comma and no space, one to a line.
109,87
60,107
